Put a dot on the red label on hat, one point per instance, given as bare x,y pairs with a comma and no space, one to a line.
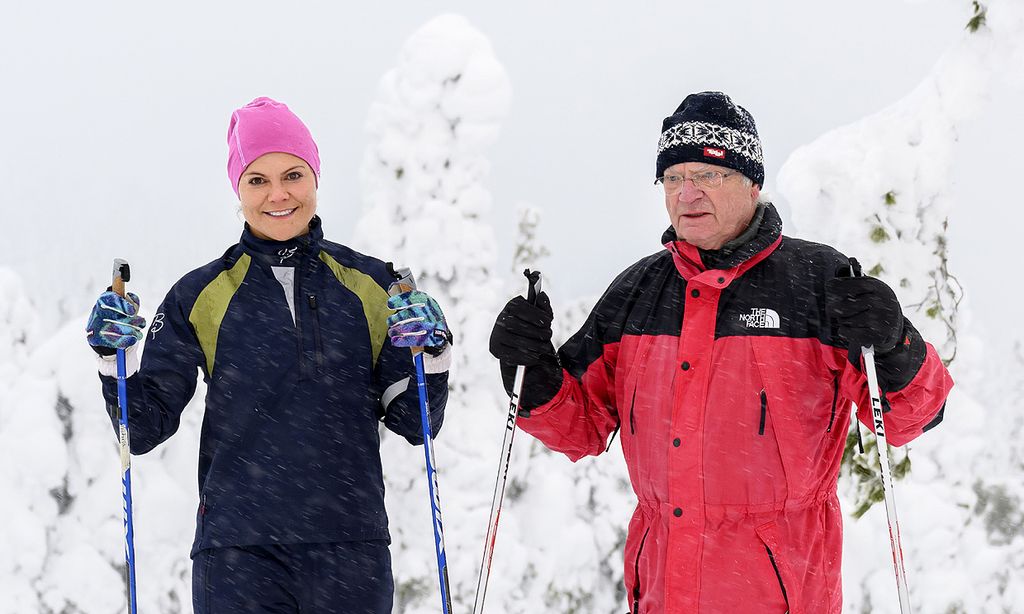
711,152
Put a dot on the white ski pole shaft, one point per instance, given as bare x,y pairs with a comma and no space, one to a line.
868,355
503,463
887,486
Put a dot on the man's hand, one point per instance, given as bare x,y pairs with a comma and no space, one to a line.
522,332
866,312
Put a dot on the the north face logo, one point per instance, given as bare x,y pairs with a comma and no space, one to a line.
760,317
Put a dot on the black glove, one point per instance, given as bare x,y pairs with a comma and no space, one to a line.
522,332
522,336
867,313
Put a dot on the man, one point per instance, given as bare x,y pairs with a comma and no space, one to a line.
728,361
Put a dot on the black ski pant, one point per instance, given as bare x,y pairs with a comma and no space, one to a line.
342,578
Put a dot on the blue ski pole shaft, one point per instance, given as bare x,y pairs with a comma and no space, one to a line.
121,275
435,497
407,283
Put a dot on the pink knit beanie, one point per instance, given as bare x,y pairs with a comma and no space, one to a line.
264,126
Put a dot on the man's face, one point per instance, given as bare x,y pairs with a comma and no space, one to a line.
709,217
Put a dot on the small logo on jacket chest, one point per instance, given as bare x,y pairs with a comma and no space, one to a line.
286,253
760,317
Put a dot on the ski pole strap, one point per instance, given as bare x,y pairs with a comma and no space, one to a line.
404,280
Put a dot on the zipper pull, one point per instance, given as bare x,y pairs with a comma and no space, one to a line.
312,301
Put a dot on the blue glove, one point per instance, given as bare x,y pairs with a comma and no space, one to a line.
417,322
114,323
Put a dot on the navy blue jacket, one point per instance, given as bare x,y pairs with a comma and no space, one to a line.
296,390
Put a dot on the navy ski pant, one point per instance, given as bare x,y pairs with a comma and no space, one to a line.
342,578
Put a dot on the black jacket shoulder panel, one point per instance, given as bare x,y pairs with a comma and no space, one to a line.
646,298
783,295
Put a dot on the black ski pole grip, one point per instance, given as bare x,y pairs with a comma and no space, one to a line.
533,277
122,273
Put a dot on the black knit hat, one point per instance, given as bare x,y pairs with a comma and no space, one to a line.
710,127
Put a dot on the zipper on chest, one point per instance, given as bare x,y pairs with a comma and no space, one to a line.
299,273
318,343
303,300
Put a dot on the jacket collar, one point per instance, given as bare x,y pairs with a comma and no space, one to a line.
753,245
283,253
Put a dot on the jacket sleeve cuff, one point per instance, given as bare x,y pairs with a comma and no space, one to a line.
108,364
898,367
440,363
563,391
541,383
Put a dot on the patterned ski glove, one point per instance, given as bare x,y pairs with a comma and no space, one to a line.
867,313
418,322
114,323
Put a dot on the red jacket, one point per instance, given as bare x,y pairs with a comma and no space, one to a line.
732,393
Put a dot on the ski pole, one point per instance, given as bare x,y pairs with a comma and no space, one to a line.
868,354
406,283
503,461
122,274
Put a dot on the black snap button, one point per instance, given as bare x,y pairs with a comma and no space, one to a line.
686,365
695,293
721,280
677,512
676,442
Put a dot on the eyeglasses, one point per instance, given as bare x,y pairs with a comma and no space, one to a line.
707,180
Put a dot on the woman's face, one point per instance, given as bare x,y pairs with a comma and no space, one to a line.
278,196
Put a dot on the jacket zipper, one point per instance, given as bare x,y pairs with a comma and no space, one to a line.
835,399
298,314
764,411
316,333
632,423
636,575
202,517
632,419
771,557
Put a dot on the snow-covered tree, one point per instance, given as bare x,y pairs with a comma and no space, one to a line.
529,251
424,176
879,189
562,529
60,478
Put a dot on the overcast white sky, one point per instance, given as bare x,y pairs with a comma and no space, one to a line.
115,115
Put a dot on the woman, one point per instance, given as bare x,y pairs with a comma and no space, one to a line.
288,331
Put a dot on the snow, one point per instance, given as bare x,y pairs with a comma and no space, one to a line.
426,176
